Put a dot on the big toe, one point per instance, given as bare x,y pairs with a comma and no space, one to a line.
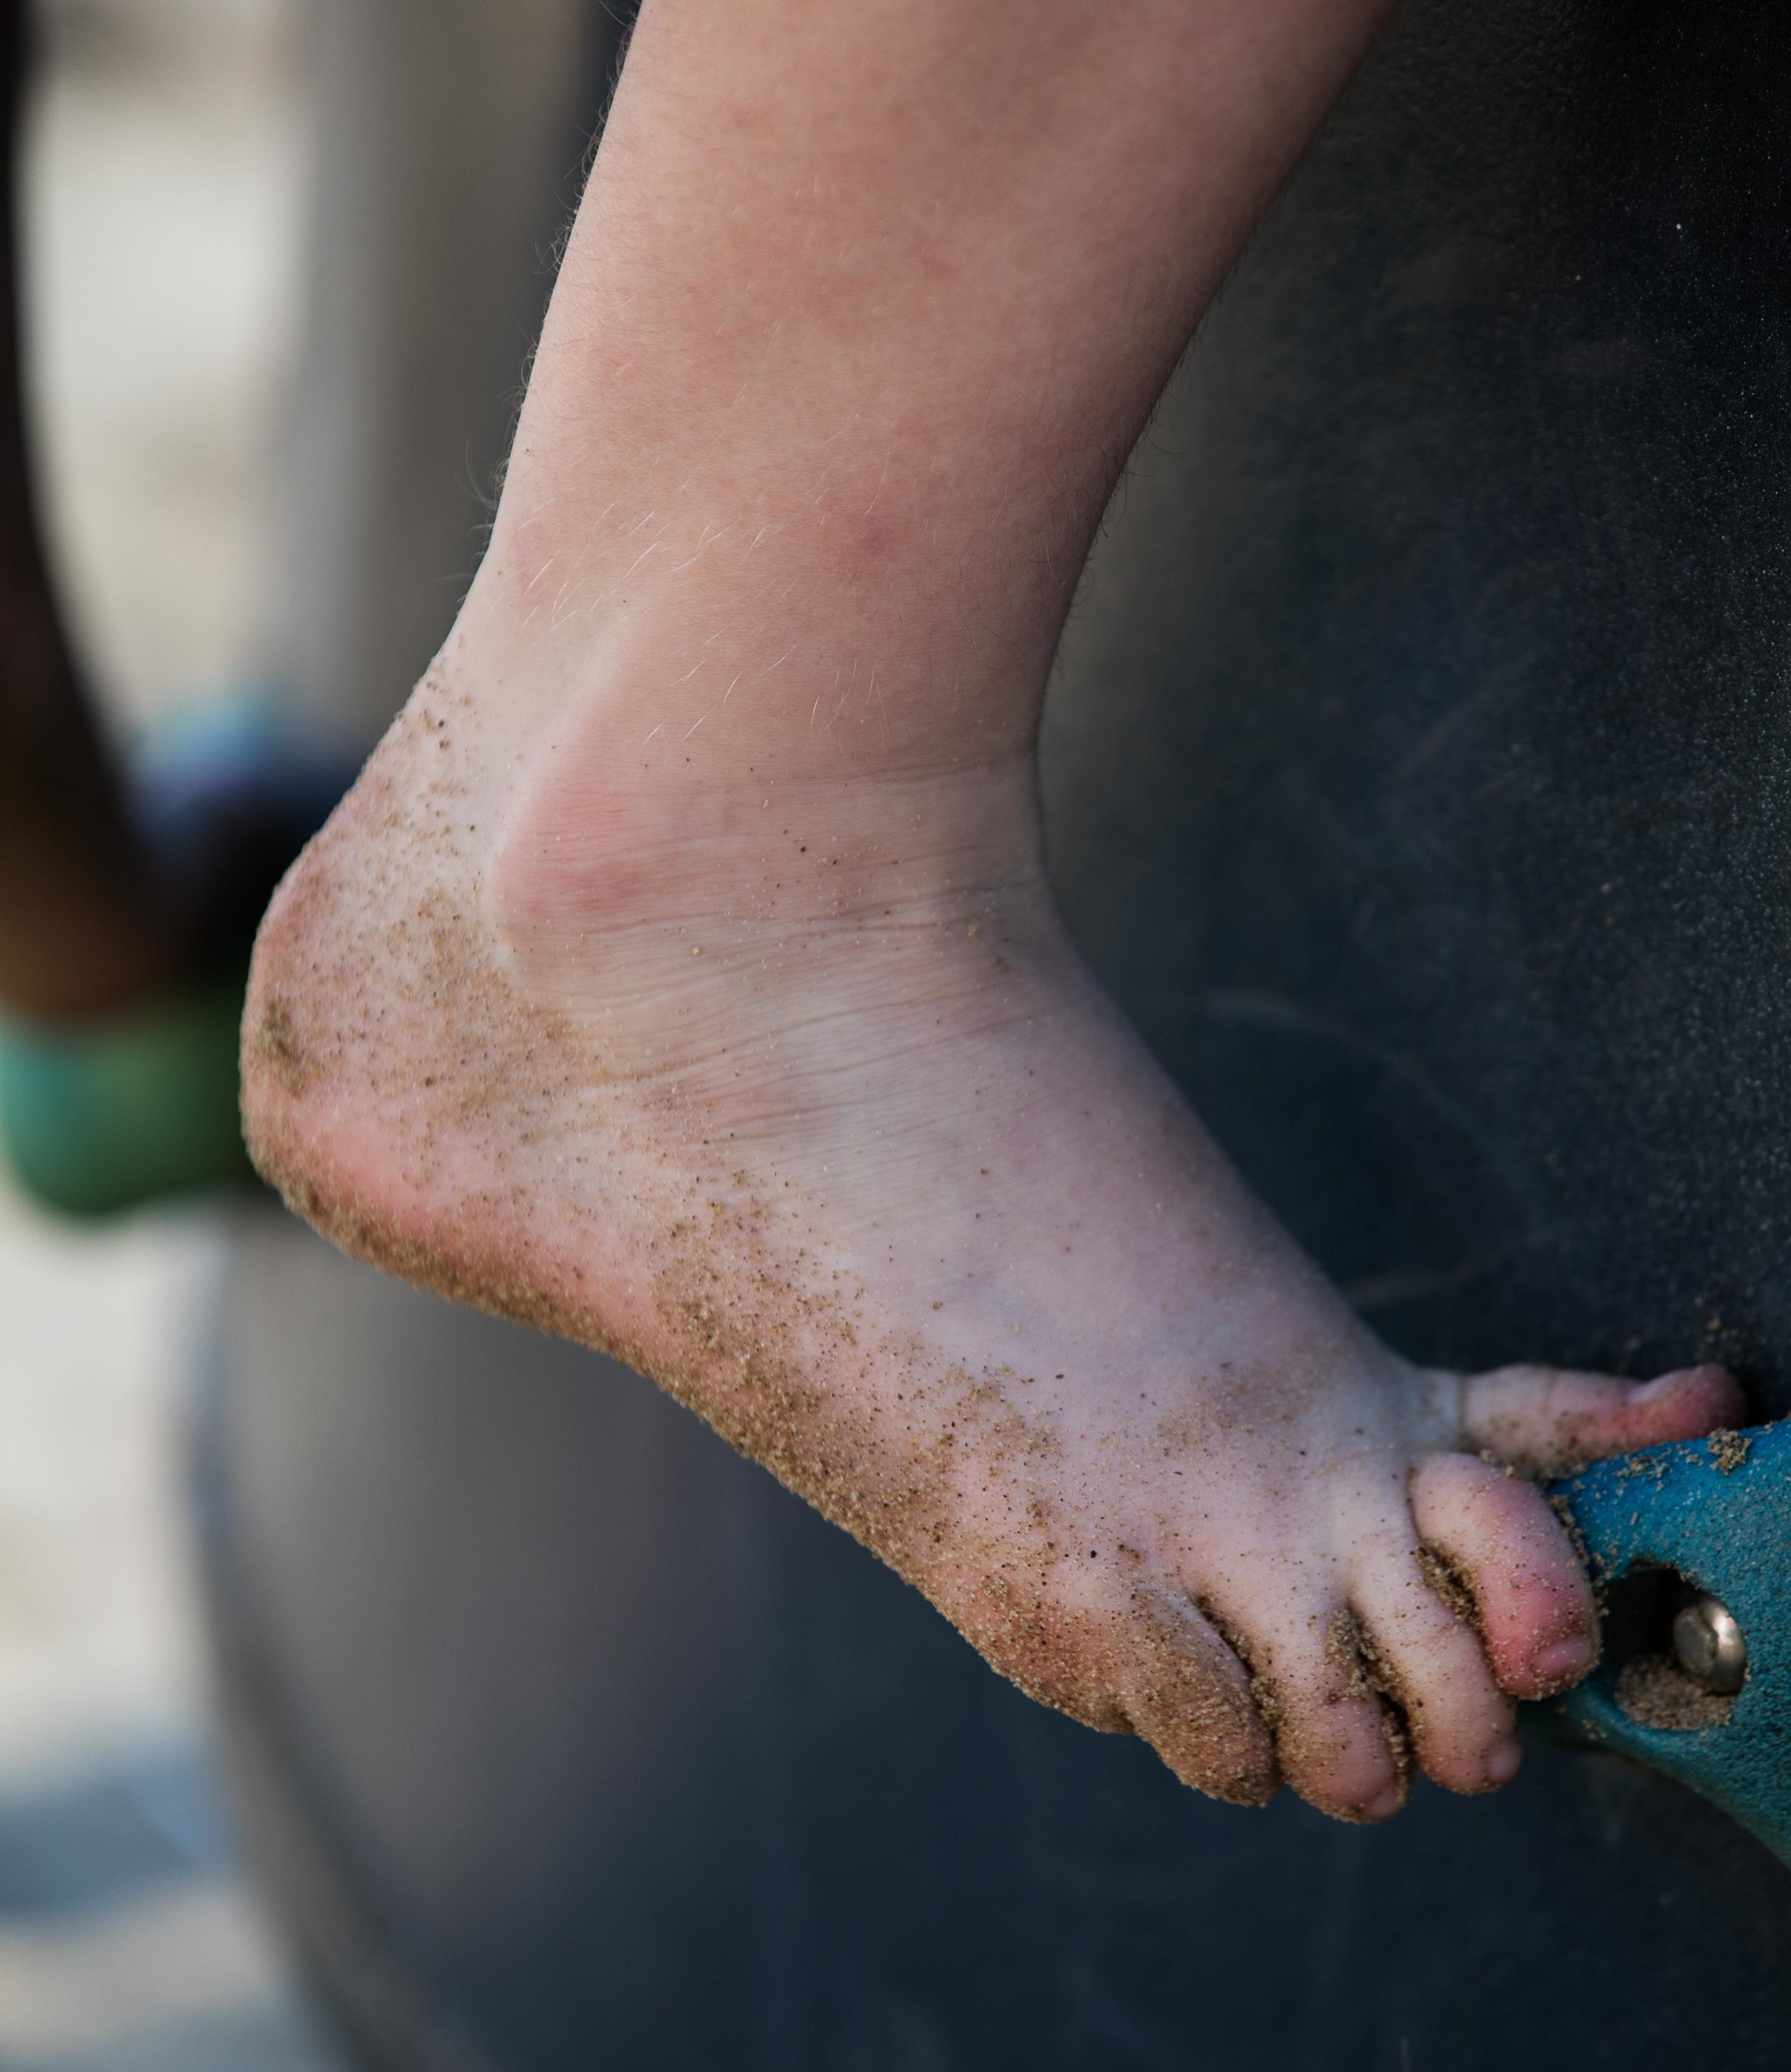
1550,1420
1496,1548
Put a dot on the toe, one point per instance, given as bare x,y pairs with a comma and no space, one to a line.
1549,1421
1488,1533
1338,1746
1431,1662
1187,1693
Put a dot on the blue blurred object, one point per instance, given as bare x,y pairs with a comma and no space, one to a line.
96,1121
1710,1518
100,1119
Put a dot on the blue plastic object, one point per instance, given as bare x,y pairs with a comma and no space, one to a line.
1716,1513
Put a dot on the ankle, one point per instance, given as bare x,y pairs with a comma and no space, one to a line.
735,619
607,833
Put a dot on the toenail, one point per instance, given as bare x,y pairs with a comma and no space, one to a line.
1565,1659
1502,1762
1383,1807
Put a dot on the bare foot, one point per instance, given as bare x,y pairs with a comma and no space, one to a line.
680,975
795,1097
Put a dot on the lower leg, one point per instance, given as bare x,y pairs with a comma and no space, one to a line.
681,975
888,300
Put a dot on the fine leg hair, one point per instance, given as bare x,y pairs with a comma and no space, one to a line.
681,975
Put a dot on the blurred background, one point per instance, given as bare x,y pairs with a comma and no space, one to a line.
165,184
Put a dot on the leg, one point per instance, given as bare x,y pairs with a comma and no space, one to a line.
78,935
681,975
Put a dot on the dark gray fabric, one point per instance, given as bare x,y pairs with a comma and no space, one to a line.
1419,774
1415,774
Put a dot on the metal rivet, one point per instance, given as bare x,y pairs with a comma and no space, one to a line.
1708,1645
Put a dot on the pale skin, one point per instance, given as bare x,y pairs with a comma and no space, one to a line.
681,975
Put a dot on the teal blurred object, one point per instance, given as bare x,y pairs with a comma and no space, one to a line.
1711,1516
96,1122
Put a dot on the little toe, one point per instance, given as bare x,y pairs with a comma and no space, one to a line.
1550,1420
1338,1746
1492,1536
1430,1661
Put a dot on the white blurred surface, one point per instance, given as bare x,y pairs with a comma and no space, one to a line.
99,1982
164,179
96,1645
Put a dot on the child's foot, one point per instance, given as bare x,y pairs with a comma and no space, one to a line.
680,975
790,1090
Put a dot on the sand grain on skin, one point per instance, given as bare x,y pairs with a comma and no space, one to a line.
408,1021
